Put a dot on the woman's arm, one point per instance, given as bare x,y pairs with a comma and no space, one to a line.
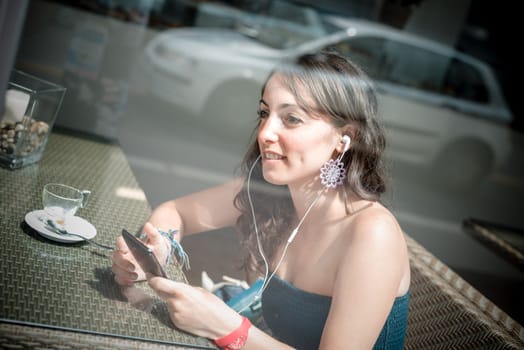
200,312
202,211
206,210
367,282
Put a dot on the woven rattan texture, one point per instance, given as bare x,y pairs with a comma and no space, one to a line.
448,313
499,245
70,285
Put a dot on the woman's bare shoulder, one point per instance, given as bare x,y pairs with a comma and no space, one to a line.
376,221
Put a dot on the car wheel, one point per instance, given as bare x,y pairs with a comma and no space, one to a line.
232,107
463,165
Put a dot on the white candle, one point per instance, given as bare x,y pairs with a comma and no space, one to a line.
16,102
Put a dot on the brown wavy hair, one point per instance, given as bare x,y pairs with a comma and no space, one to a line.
343,92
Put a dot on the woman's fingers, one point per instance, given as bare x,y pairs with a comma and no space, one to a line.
122,256
121,245
125,267
187,305
123,277
166,288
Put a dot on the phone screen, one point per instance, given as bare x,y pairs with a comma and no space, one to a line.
143,255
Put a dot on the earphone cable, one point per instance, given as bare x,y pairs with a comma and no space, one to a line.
289,240
251,206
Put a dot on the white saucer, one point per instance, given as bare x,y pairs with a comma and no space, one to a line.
75,225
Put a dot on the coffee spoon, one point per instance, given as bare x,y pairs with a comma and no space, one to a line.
52,226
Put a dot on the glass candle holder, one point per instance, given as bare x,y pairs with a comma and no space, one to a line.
31,106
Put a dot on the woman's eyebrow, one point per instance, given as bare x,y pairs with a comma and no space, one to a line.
281,106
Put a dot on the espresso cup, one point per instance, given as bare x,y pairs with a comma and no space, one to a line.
61,201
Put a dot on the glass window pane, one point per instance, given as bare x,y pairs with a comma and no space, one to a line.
464,81
367,52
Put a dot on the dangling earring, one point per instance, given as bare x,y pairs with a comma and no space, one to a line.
333,172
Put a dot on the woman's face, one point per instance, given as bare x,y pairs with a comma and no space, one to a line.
293,144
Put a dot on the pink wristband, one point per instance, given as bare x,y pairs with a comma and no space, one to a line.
236,339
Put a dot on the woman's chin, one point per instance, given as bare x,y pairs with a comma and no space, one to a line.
274,179
275,182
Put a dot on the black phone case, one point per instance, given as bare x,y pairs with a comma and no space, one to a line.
143,255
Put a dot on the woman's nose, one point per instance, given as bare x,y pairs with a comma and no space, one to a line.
268,129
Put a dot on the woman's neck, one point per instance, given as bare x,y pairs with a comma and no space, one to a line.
325,201
329,204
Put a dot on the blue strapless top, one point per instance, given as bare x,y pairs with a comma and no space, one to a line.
297,317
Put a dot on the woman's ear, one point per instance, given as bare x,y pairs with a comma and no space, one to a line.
346,138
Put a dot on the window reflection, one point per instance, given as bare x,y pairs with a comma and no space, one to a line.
418,68
176,82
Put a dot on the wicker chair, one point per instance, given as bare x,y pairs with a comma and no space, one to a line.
448,313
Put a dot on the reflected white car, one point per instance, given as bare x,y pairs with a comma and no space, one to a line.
443,110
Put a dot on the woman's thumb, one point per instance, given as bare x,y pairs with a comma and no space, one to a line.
157,242
153,236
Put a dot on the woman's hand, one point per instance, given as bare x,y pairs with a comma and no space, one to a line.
196,310
125,267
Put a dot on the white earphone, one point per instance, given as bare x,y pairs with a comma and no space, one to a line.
347,141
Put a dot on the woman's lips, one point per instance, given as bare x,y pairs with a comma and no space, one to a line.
272,156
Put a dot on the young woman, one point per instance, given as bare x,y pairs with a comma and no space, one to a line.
334,260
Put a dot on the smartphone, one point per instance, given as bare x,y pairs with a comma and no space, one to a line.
143,255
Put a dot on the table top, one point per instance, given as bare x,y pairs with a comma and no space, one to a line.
69,288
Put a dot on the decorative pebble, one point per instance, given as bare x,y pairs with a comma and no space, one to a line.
22,138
